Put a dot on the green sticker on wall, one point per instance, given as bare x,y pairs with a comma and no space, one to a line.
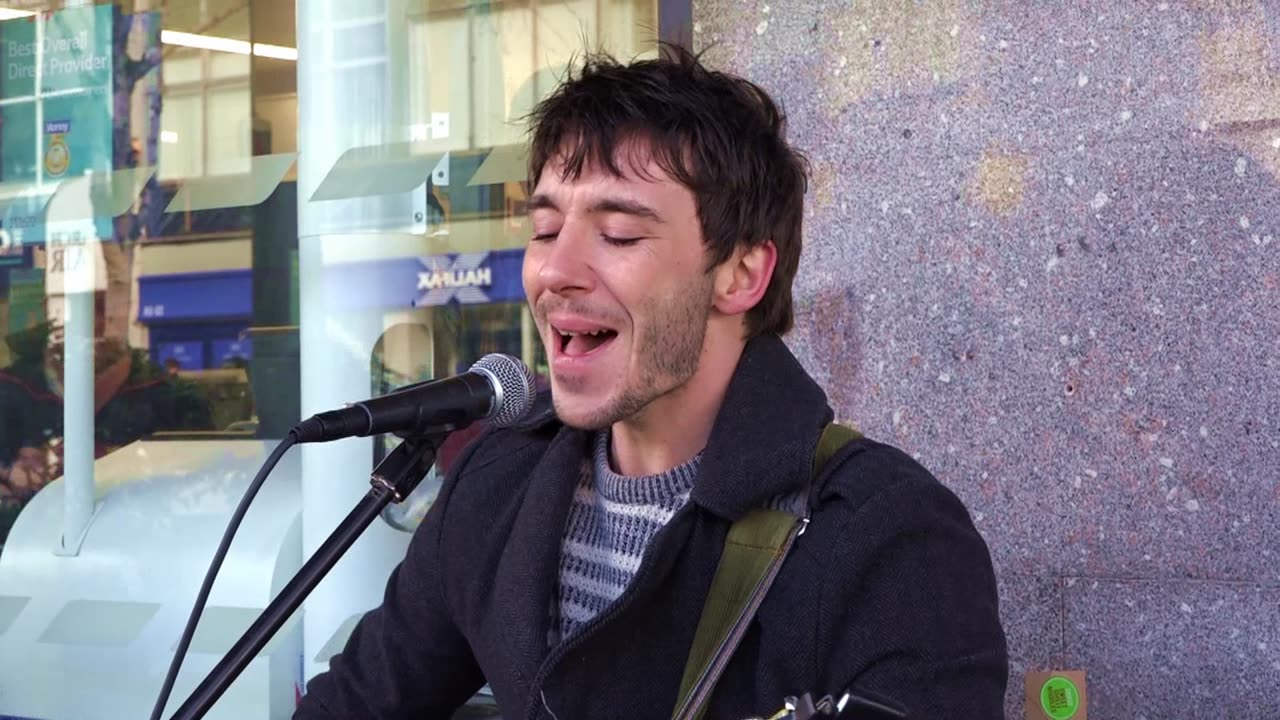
1059,698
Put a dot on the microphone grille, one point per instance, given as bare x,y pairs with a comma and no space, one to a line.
514,389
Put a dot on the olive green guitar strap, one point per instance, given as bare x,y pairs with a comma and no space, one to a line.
753,553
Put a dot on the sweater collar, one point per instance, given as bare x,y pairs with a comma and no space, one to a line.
657,489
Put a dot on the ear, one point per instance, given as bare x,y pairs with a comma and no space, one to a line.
742,279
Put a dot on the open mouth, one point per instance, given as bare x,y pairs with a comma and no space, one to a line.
575,343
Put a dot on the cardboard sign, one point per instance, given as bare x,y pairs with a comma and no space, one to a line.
1057,695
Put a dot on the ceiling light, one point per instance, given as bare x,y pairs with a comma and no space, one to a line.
275,51
192,40
228,45
204,42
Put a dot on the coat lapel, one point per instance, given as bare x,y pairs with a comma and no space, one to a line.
527,575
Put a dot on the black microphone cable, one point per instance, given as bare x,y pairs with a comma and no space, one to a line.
203,596
513,384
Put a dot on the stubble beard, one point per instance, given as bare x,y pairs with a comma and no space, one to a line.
667,353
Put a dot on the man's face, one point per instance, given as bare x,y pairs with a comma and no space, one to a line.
615,274
30,458
111,361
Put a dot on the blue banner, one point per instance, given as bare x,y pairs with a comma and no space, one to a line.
68,79
459,278
195,296
69,132
56,124
15,256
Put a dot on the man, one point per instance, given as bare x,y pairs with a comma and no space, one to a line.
131,400
566,561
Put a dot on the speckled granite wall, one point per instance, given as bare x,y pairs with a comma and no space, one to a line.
1044,256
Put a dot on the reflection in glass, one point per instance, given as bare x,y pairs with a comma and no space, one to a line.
203,330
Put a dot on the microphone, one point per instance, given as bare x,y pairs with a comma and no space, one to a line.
498,388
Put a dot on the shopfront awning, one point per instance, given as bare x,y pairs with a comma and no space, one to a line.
183,297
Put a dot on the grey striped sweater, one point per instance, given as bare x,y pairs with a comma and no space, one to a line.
611,521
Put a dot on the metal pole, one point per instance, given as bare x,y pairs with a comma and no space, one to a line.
73,221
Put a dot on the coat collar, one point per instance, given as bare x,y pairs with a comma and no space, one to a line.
762,442
764,436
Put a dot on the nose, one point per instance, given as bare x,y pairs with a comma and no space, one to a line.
566,263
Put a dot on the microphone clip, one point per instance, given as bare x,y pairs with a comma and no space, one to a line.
406,465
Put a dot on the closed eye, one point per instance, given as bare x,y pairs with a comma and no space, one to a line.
622,241
619,241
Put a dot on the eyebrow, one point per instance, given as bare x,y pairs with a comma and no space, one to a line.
542,201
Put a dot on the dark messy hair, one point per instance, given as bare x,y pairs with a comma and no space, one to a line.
719,135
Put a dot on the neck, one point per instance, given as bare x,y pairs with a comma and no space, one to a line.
675,427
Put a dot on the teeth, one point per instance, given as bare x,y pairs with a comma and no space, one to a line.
592,333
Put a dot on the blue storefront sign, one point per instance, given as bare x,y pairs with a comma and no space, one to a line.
189,355
461,278
226,351
195,296
197,317
14,256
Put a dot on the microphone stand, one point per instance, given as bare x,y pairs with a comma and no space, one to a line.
392,481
